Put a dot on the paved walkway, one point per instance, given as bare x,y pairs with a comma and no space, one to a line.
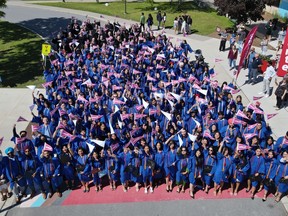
44,20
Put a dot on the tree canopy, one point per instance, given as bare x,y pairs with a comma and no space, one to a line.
2,5
241,10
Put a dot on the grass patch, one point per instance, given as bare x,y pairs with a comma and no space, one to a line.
20,51
205,19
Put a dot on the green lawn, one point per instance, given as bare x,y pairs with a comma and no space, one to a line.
20,60
204,19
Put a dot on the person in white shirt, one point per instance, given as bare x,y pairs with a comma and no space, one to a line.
267,77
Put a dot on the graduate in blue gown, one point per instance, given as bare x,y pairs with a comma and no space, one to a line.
257,164
196,163
270,172
182,165
159,163
170,165
97,165
147,168
240,168
124,160
112,167
209,166
223,169
67,166
14,174
31,168
136,176
51,172
281,178
83,168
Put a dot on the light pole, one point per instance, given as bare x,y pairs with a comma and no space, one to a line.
125,6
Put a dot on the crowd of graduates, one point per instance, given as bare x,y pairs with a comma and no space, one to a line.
128,106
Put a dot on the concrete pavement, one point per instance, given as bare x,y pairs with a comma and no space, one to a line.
44,20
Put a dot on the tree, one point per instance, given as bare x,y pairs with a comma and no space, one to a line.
242,10
2,5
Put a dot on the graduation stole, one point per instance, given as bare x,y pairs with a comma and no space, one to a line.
83,159
229,133
224,163
269,170
184,163
258,165
207,160
145,160
49,167
26,164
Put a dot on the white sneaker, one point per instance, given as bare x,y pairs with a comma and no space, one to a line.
151,190
145,191
266,95
261,93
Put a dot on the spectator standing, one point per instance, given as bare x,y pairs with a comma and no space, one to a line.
281,37
256,64
142,22
223,39
241,38
264,45
164,17
159,19
180,21
232,57
249,60
268,75
268,28
281,93
175,25
149,21
189,23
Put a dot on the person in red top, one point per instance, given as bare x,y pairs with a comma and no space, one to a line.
232,57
